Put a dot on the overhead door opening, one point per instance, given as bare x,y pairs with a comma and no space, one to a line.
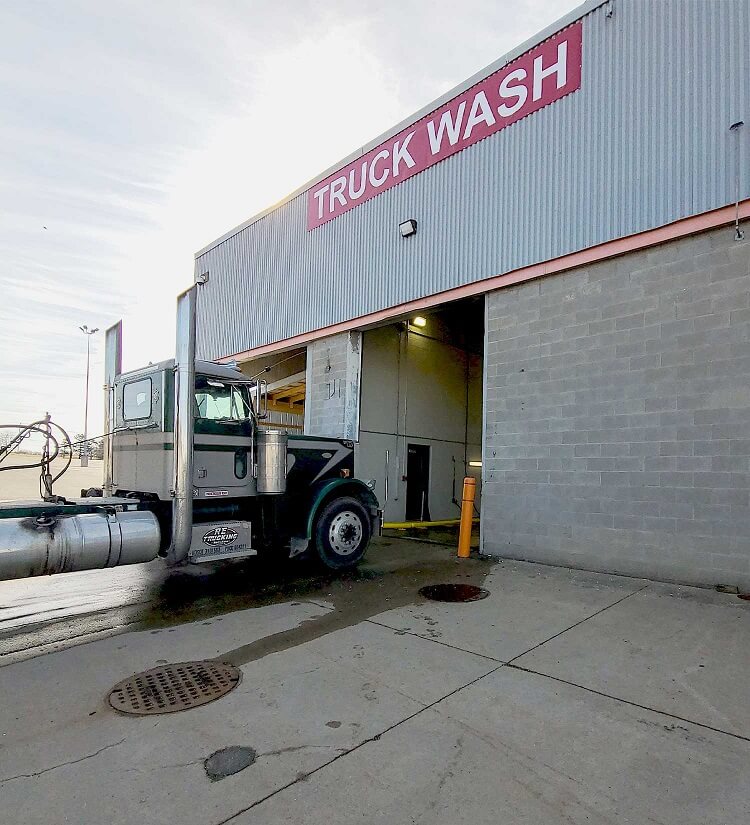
421,411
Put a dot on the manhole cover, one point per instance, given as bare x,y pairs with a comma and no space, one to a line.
173,687
454,592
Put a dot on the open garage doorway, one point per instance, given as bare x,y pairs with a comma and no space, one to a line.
420,418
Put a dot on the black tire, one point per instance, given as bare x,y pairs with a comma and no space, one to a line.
342,533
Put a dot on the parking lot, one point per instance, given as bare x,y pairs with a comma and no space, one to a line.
22,485
564,696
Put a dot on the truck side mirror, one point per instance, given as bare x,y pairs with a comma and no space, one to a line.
261,399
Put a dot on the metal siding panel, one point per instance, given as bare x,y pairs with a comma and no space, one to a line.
645,141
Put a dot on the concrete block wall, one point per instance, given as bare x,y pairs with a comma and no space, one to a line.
617,428
332,386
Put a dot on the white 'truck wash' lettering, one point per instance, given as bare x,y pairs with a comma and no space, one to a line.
401,153
447,125
519,91
337,192
319,195
357,193
374,179
539,77
560,68
481,112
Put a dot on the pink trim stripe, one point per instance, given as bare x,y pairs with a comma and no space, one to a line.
611,249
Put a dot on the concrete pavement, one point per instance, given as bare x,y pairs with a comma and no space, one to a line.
563,697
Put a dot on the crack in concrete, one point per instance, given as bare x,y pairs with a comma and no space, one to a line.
62,764
447,773
150,768
576,624
294,748
403,632
345,752
510,664
629,702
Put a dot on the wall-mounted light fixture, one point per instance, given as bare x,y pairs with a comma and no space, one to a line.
475,464
419,321
408,228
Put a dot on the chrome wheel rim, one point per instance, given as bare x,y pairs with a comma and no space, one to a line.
345,533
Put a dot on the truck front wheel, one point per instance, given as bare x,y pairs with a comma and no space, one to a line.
342,533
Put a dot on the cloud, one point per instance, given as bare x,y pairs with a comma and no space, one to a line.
132,134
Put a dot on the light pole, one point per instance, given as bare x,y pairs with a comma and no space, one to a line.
85,447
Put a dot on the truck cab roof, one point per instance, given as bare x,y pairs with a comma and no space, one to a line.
225,371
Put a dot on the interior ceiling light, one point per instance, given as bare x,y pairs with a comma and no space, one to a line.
408,228
419,321
475,464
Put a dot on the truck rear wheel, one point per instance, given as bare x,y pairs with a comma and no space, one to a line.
342,533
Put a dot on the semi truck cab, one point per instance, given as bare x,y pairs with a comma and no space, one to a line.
249,481
193,473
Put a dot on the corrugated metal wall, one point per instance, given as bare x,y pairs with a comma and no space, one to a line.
645,141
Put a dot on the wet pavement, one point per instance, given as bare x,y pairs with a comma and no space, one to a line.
47,614
52,613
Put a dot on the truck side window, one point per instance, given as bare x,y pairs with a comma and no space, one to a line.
136,400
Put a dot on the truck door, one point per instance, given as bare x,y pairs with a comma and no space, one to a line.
223,439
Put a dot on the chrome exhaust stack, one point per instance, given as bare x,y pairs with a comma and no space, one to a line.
43,540
112,368
184,426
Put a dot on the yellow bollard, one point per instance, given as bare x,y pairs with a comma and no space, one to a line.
467,513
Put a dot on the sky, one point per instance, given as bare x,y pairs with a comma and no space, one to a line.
134,133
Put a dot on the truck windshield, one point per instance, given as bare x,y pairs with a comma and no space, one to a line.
218,400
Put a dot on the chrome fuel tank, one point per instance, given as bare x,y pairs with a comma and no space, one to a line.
43,545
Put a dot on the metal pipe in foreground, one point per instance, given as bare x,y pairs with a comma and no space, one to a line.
184,425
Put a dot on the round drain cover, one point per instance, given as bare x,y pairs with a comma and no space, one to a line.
454,592
174,687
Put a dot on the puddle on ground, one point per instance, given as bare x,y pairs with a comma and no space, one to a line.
390,579
461,592
153,598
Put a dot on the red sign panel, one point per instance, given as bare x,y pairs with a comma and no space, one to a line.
543,75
